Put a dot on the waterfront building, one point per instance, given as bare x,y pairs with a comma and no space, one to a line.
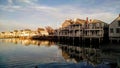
2,34
42,32
15,33
6,34
87,29
96,29
27,33
114,29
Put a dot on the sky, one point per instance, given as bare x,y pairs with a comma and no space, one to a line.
24,14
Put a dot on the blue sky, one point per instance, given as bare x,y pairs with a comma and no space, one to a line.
23,14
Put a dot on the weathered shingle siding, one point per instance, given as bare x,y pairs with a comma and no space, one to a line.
113,26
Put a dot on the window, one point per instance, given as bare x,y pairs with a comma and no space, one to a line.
118,23
111,30
117,30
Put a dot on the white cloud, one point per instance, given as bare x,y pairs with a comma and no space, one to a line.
55,15
45,8
29,5
10,2
29,2
10,8
64,12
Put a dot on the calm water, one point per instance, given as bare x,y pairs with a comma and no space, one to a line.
16,53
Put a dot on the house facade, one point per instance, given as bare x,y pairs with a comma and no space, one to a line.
83,28
114,30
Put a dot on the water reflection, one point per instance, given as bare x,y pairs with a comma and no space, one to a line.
79,54
91,54
26,53
94,54
27,42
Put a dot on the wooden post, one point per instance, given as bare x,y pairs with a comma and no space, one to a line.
99,40
90,40
110,40
118,40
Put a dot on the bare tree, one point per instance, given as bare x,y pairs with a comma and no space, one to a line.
50,30
40,29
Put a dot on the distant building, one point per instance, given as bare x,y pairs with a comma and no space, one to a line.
114,29
25,33
42,32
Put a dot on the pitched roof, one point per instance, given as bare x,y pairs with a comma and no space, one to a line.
67,23
79,21
117,19
96,21
70,21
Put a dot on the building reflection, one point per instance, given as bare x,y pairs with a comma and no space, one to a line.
28,42
92,55
77,54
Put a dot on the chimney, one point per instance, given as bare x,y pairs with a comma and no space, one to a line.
90,20
86,20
